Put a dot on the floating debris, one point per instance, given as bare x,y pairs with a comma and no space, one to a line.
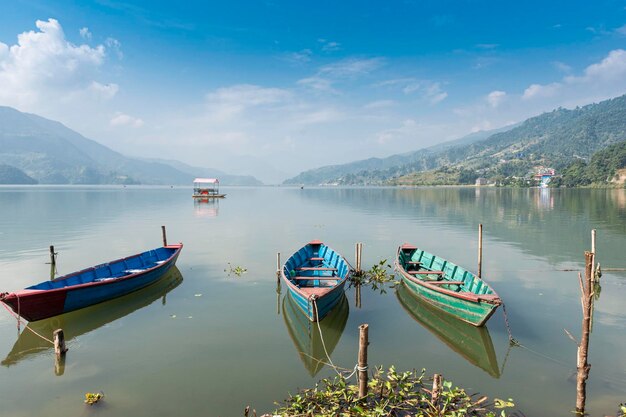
93,397
197,295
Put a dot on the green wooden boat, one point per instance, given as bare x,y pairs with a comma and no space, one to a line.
306,335
472,343
446,285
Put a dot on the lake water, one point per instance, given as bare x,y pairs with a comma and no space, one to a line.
206,342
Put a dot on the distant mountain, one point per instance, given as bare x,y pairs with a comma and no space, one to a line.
225,179
552,139
51,153
367,170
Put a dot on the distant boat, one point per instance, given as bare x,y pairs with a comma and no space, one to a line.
315,276
306,335
92,285
86,320
471,342
207,188
446,286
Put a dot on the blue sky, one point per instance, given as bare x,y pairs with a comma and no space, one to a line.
271,88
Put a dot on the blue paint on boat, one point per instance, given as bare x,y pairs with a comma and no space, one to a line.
315,276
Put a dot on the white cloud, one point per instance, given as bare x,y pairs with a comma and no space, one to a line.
227,102
319,117
121,119
409,127
43,69
603,79
352,67
300,57
329,46
379,104
317,83
104,91
115,46
85,33
563,67
430,91
621,30
495,98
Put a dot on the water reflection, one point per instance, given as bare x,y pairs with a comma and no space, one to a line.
306,336
79,322
206,207
472,343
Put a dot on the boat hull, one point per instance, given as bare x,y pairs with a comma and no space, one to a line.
36,303
315,277
470,342
473,301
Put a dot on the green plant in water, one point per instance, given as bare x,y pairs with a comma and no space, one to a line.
390,393
237,270
377,277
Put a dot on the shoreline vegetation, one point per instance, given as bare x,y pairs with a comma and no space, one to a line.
390,393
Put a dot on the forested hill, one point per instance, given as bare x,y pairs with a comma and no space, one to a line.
554,139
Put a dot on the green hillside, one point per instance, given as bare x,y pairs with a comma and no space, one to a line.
554,139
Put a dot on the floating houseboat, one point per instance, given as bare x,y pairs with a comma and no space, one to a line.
207,188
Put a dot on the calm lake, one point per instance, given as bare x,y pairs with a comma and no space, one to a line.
207,342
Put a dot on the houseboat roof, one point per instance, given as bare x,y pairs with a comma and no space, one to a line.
207,180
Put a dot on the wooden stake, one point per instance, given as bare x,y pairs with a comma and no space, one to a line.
359,252
59,342
278,263
480,250
362,363
53,258
583,348
164,235
436,392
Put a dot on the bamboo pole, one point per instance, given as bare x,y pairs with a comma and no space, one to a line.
480,250
164,235
359,252
362,363
277,264
583,348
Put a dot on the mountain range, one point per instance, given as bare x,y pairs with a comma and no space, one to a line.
553,139
37,150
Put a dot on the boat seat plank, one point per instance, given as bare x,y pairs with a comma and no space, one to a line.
315,268
446,282
300,278
316,259
413,263
425,272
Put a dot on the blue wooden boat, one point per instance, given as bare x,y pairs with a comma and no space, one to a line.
446,285
316,276
80,322
92,285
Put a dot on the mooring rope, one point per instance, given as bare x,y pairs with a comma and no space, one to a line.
314,300
19,320
512,340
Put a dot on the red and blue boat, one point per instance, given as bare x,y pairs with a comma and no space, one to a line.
316,276
92,285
